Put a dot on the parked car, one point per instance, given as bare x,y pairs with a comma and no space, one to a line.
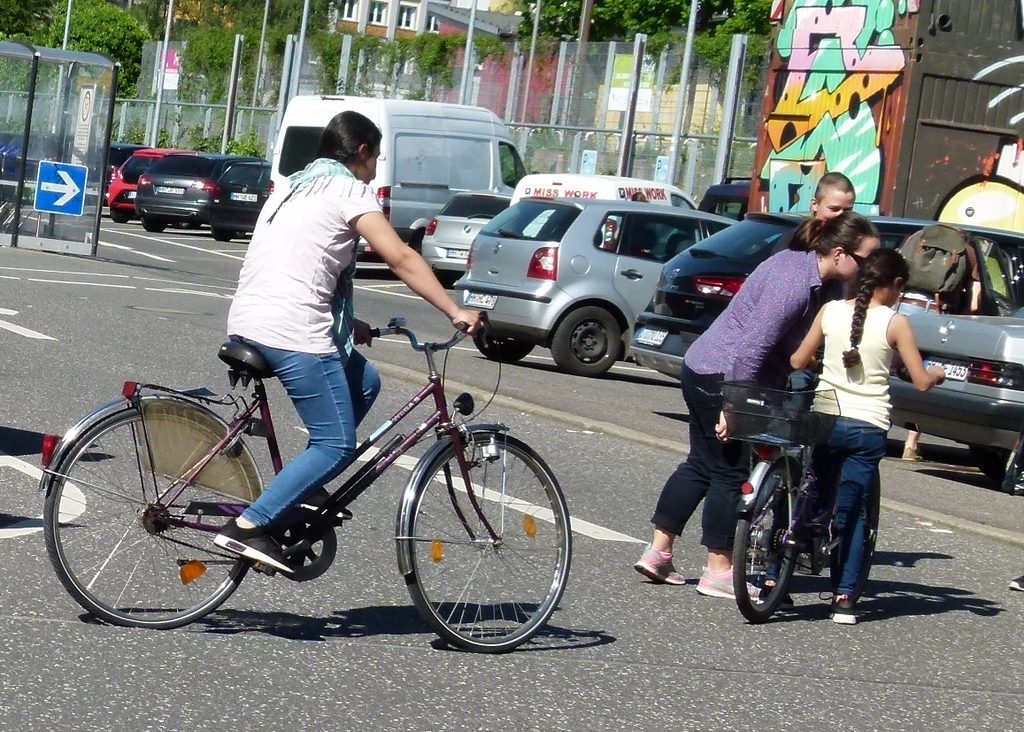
982,401
728,198
124,180
448,235
119,153
178,188
238,199
571,275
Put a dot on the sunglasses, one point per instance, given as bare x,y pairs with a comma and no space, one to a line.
856,258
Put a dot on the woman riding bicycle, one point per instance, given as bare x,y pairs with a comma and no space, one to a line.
859,337
298,268
751,340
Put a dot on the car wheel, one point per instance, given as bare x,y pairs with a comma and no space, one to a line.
991,461
587,342
151,224
223,234
119,217
416,241
503,350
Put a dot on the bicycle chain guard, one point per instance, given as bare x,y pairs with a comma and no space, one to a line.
311,550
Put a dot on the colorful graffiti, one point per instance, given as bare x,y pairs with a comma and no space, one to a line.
842,61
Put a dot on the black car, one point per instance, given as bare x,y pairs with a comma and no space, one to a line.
242,190
696,285
728,198
119,153
179,188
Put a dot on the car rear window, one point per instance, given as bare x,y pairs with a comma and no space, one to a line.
746,239
136,166
246,175
299,148
474,207
532,220
184,165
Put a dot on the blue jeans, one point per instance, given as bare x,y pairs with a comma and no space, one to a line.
852,455
331,399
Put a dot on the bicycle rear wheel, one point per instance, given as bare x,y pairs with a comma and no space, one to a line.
762,565
481,593
120,552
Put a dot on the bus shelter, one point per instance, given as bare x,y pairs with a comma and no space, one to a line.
56,109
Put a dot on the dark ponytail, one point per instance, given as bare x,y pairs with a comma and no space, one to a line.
881,269
345,133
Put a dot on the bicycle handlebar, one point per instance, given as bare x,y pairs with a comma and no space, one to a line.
396,326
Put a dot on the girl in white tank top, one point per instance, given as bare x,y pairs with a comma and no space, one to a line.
860,336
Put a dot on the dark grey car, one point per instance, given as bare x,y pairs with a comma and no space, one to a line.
571,275
179,189
241,192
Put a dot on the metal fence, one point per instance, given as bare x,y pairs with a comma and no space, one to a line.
562,108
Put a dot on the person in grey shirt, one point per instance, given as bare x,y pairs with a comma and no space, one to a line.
751,340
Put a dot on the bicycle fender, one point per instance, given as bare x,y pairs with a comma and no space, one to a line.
756,480
403,522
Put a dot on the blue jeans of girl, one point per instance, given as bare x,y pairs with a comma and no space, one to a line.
331,398
852,455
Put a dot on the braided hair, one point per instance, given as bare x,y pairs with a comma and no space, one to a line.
881,269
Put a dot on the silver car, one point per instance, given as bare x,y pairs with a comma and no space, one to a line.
448,235
571,275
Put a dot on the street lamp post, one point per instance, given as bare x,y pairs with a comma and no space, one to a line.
300,46
67,24
467,58
529,64
259,56
163,70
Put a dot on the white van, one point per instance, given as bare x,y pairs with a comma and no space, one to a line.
429,151
603,187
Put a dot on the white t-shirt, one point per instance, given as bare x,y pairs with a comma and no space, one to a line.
293,263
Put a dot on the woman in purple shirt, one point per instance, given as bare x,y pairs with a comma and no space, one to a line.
751,340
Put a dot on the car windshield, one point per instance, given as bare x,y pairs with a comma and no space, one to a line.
746,239
532,220
474,207
183,165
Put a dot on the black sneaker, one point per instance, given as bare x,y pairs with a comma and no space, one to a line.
843,611
252,544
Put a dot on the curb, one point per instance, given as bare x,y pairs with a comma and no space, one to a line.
993,533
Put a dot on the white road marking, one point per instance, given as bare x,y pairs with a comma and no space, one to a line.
579,526
79,282
136,251
64,271
182,291
21,330
183,246
191,284
395,294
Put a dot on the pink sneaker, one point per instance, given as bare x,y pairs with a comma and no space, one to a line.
713,584
658,568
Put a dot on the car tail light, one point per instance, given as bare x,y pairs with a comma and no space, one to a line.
145,180
384,200
431,228
544,264
50,443
724,287
996,374
210,186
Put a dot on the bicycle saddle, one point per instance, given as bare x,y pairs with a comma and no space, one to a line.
245,360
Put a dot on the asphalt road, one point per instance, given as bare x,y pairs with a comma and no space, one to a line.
938,647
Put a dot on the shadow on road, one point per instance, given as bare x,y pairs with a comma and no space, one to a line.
377,620
905,559
654,380
20,442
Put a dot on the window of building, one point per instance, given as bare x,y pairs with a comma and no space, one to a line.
407,17
378,13
433,26
350,10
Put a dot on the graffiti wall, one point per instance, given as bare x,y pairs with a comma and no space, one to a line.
839,73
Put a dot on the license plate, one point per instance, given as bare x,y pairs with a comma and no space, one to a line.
954,371
170,189
460,254
131,195
248,197
480,300
650,336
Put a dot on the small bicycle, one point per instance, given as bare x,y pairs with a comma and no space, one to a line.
137,490
785,519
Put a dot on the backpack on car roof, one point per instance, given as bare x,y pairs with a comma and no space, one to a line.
938,262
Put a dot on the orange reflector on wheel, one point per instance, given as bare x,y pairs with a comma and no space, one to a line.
191,571
530,526
437,550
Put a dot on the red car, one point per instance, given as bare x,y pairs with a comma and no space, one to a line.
124,180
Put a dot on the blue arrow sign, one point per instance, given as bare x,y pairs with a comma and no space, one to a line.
60,188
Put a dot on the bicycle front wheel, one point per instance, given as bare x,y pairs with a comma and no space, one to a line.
483,591
121,552
762,564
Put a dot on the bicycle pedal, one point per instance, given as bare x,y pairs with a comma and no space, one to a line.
264,569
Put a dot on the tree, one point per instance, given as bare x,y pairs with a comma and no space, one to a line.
21,19
100,27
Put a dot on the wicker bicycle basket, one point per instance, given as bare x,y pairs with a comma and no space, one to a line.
775,416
